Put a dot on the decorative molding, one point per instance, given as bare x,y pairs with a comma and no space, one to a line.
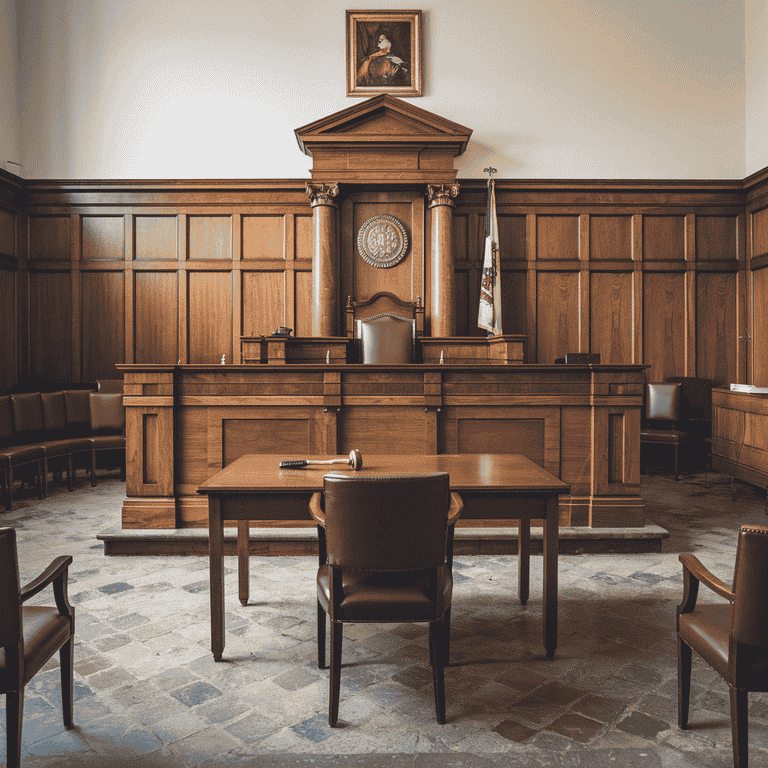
322,194
382,241
442,194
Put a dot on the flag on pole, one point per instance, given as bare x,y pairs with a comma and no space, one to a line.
489,314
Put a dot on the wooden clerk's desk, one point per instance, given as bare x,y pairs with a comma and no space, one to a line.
492,486
580,423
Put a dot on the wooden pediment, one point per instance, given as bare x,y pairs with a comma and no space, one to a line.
383,140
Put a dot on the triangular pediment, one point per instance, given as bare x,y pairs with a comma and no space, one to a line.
380,119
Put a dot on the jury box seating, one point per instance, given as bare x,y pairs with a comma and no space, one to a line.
58,431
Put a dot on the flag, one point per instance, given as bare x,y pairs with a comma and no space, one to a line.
489,314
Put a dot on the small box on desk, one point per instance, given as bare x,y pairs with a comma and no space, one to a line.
580,358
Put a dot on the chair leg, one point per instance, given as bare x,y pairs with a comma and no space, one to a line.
333,706
739,727
677,475
447,637
93,468
684,662
67,661
9,491
42,478
14,705
437,652
320,636
70,473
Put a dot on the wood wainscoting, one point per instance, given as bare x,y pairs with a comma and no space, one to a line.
581,423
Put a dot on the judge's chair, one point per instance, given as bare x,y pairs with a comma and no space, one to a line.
732,637
30,635
386,556
662,411
386,328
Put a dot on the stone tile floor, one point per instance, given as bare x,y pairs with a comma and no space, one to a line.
148,693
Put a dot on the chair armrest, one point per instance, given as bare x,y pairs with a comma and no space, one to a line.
316,508
456,508
695,573
55,573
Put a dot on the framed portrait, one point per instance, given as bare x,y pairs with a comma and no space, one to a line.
384,53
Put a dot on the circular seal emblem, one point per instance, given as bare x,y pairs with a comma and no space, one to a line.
382,241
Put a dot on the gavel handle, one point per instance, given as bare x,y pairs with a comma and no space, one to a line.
299,463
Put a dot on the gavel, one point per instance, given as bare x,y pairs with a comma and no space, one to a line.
355,461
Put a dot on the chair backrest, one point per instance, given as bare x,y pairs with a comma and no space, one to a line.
107,412
750,587
396,523
10,610
663,402
6,420
387,340
109,386
77,410
54,412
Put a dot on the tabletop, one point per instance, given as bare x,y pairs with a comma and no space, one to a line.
468,472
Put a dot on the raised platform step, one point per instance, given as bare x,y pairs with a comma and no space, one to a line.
303,541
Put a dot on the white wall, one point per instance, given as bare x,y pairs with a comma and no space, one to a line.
756,48
10,147
551,88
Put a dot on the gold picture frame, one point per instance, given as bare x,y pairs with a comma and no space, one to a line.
384,53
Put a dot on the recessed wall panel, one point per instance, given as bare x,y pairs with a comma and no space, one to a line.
50,336
156,324
663,238
263,302
103,302
103,238
50,238
263,237
611,317
210,317
156,238
557,320
209,237
664,324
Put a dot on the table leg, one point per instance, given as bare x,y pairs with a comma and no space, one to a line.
216,564
243,575
524,560
551,547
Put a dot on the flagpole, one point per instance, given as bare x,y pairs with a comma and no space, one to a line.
489,312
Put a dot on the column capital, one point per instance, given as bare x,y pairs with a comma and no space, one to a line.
442,194
322,194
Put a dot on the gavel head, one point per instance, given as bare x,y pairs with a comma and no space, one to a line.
356,459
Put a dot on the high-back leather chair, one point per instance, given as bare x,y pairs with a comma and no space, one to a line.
663,410
386,556
108,428
30,635
14,454
732,637
386,328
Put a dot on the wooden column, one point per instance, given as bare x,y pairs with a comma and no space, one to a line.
443,293
325,248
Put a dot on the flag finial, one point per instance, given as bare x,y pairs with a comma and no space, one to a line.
490,171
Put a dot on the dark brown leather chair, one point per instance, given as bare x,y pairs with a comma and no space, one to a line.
14,455
108,427
30,635
109,386
386,556
663,410
732,637
60,450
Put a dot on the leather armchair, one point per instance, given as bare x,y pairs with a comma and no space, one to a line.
108,426
732,637
13,454
386,556
30,635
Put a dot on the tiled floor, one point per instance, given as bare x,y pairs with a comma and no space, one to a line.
148,692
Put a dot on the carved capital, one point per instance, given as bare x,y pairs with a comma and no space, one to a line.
322,194
442,194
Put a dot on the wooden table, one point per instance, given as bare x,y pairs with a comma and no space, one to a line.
493,486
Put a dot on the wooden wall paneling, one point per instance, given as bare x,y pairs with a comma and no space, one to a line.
209,237
759,328
9,347
7,233
50,336
465,266
76,320
399,430
181,291
610,237
557,322
263,308
663,238
513,244
157,236
50,237
612,317
690,295
103,237
584,284
156,317
209,316
742,314
717,237
264,236
557,237
716,329
637,289
759,230
236,286
664,324
129,223
531,292
103,298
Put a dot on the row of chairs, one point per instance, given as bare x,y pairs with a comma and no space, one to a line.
400,572
58,431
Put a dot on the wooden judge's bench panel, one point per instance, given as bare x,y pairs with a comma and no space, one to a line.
185,422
